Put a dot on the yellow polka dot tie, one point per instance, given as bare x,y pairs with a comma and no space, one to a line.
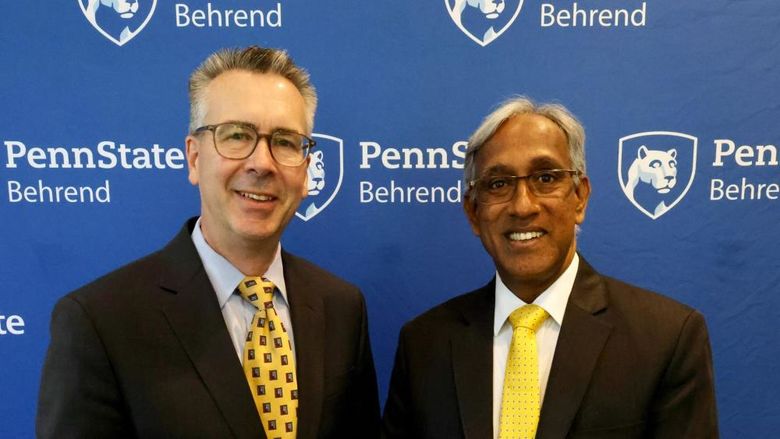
520,402
268,362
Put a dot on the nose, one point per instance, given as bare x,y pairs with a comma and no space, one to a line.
524,202
260,161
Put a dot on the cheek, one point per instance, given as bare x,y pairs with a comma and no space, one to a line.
214,174
487,220
296,181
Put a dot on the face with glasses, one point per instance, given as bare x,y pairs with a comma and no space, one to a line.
249,159
238,140
526,201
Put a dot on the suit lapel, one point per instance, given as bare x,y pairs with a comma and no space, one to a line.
472,363
580,342
307,313
193,313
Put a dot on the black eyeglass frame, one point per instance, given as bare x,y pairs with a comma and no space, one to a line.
267,136
473,183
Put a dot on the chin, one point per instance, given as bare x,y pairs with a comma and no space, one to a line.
256,230
526,270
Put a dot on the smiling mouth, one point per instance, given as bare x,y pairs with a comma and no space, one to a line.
256,197
524,236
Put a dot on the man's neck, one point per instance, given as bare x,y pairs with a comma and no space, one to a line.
252,258
529,289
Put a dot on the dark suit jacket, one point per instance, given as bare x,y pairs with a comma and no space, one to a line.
144,352
628,364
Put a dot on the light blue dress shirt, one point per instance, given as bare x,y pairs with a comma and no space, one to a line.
236,311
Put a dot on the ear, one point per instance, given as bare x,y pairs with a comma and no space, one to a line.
673,152
193,153
582,194
642,153
305,187
470,207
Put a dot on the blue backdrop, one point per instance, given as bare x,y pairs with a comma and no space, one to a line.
94,114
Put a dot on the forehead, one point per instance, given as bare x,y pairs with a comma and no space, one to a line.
524,143
267,100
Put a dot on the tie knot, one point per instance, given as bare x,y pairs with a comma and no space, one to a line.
528,316
258,291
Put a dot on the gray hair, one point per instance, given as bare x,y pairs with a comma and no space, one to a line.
571,127
253,59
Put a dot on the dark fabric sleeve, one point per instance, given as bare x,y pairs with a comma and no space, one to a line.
79,396
365,400
684,405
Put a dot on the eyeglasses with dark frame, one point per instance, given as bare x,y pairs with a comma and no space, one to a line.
546,183
237,141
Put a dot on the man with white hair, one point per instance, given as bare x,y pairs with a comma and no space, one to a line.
549,348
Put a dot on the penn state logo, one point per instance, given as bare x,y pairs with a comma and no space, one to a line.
483,20
325,173
656,169
118,20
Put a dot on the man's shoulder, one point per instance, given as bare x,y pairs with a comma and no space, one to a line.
646,315
144,274
593,290
456,310
303,272
630,297
123,281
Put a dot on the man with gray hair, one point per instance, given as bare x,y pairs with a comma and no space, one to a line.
222,333
549,348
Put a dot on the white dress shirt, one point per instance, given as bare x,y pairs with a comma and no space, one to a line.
553,300
236,311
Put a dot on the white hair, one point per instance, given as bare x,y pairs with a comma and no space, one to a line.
567,122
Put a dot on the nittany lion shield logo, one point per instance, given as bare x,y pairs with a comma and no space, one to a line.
656,169
118,20
483,20
326,171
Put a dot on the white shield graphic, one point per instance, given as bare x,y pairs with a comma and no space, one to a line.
326,172
483,20
656,169
118,20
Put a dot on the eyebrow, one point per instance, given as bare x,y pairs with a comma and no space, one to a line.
537,164
546,163
250,124
498,169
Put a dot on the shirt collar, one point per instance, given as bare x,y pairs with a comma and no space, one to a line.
224,276
553,299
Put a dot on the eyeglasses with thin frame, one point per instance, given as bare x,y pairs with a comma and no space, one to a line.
546,183
237,141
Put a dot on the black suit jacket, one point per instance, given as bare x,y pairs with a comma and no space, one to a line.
144,352
628,364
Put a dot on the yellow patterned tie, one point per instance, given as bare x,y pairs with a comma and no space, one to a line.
268,362
520,403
